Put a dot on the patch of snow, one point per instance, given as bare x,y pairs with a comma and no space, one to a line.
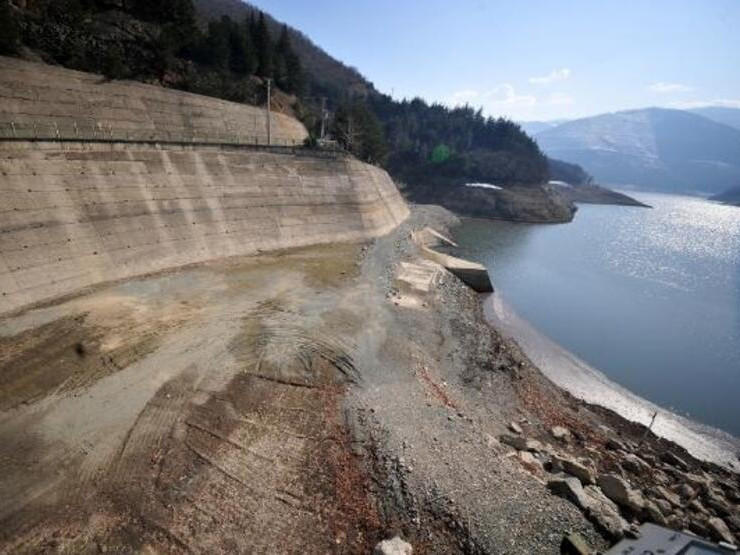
484,186
559,183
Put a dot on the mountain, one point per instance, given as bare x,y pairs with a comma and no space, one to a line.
532,128
327,75
731,196
652,149
726,116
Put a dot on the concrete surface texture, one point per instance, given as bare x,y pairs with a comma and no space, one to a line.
76,214
474,275
41,98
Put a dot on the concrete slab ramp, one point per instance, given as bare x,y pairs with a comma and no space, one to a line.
73,214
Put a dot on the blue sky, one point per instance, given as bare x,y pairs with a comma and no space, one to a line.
534,59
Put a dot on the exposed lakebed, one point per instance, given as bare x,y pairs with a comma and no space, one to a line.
650,297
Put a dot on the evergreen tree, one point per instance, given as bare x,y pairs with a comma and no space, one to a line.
217,48
265,48
8,29
357,129
288,70
250,51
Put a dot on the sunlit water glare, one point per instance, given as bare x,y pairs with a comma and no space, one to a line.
651,297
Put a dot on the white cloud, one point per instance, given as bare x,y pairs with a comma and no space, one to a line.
506,100
506,95
500,96
718,102
555,75
560,99
668,88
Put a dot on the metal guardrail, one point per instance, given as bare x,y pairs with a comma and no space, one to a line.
95,131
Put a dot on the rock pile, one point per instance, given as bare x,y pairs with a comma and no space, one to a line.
619,484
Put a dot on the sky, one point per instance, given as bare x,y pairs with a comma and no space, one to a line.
533,59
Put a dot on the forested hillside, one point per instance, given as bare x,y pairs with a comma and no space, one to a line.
226,48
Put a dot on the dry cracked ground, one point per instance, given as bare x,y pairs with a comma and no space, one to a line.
310,401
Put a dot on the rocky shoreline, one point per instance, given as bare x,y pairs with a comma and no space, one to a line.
618,473
549,203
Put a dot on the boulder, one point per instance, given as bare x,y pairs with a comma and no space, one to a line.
665,507
585,474
530,460
698,527
605,513
734,522
654,514
560,433
521,443
395,546
574,544
592,502
674,460
616,445
699,483
676,521
719,531
571,489
686,491
669,496
516,428
618,490
635,464
696,506
717,503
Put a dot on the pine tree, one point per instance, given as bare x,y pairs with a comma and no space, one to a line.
250,51
288,70
358,130
8,29
217,44
265,48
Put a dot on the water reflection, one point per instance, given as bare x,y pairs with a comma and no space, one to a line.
650,297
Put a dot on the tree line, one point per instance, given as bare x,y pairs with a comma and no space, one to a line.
419,143
431,144
157,39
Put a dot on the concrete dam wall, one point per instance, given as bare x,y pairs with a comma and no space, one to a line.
74,213
38,100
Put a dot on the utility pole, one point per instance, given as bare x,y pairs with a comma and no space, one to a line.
323,117
269,123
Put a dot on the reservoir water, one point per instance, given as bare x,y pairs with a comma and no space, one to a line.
650,297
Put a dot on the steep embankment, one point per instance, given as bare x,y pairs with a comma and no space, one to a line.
38,98
533,204
76,213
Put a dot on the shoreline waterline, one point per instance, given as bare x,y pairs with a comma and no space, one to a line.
587,383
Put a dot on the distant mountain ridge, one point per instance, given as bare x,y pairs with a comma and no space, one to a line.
654,149
726,116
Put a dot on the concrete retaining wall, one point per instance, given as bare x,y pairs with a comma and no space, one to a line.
38,98
73,214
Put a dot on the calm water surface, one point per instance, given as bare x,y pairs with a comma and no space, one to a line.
649,297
